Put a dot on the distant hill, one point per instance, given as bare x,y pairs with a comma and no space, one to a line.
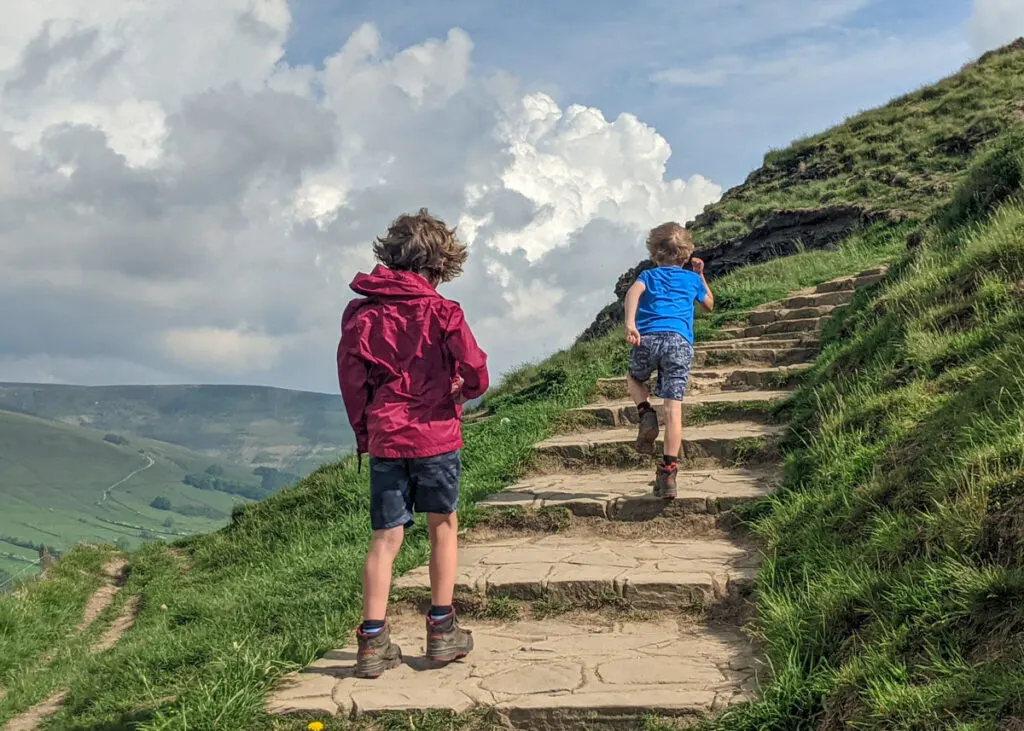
61,484
295,431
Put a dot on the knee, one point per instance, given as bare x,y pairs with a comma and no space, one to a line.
387,542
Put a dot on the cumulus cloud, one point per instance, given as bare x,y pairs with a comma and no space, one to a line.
994,23
182,206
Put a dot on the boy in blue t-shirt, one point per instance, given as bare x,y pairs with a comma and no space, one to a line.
659,326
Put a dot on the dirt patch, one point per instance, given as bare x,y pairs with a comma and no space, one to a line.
124,622
115,572
34,717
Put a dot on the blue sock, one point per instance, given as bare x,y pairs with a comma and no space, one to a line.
437,613
372,626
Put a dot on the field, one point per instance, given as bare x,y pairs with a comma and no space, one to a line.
61,484
295,431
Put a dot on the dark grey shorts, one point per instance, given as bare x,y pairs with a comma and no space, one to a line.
671,355
400,486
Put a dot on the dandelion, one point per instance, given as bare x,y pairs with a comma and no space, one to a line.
315,726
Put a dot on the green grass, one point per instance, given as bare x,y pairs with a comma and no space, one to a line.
893,592
56,481
909,155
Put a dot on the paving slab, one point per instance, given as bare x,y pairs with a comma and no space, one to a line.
761,356
622,412
627,496
552,674
787,340
650,574
714,379
719,443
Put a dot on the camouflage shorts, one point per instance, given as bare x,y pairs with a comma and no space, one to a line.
671,355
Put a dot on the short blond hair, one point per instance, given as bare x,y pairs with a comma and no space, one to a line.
423,244
669,244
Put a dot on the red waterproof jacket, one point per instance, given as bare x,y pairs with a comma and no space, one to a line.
402,345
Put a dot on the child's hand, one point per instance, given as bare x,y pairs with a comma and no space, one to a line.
632,336
457,384
697,265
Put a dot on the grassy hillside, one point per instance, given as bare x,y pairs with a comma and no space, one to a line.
61,484
893,596
295,431
908,155
892,592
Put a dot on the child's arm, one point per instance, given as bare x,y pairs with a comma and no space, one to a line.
354,381
708,301
472,361
631,303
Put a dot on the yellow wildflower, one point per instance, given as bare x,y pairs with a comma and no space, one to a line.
315,726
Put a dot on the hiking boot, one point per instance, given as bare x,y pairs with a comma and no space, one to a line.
377,653
665,482
446,640
647,434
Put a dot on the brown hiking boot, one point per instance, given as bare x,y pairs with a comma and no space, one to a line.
446,640
647,434
665,482
377,653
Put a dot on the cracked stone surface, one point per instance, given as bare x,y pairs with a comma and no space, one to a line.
628,496
622,412
651,574
715,441
555,673
707,380
803,339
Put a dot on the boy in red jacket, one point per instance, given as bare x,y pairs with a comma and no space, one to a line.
407,362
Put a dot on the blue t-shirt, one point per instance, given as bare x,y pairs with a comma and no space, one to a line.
667,302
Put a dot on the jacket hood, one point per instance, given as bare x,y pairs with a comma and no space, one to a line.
384,282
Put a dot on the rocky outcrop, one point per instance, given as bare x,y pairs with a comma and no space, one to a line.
784,233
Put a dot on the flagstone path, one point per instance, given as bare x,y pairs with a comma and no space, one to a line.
598,629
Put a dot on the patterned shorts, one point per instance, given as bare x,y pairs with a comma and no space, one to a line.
671,355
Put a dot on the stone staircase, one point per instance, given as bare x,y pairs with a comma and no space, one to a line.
634,605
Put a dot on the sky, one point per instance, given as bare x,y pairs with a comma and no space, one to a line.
186,189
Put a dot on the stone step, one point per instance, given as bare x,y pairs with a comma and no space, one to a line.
764,317
865,279
711,380
648,574
751,356
774,341
627,496
825,299
559,673
623,411
718,443
808,327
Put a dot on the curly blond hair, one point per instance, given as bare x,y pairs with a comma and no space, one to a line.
423,244
669,244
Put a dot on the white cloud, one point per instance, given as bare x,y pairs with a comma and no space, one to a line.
188,206
994,23
222,351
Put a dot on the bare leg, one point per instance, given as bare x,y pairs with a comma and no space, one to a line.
637,391
384,547
444,556
673,427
